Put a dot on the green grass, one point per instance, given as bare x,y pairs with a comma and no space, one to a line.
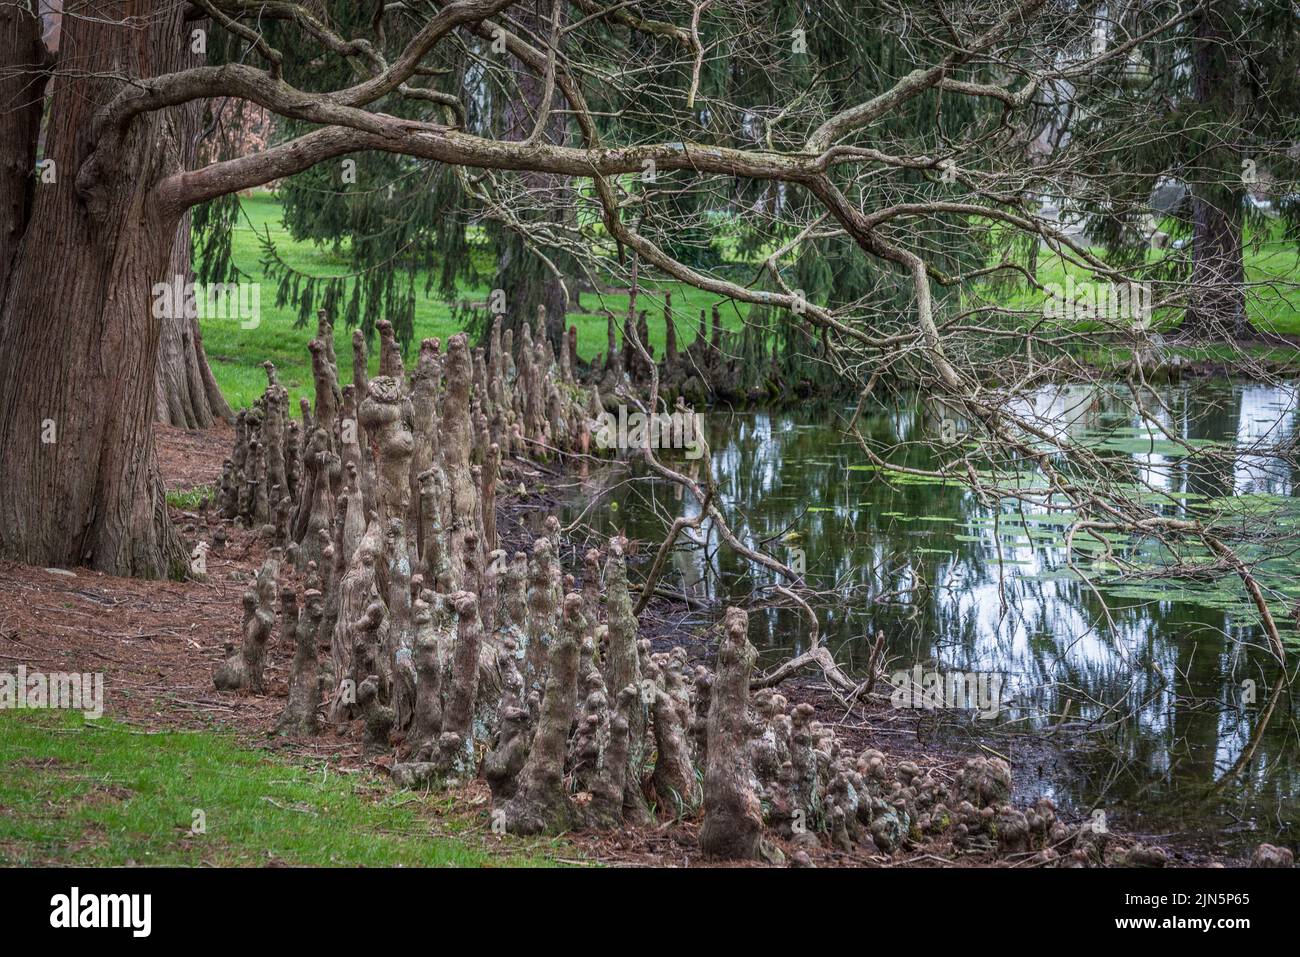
1272,274
188,499
95,793
236,354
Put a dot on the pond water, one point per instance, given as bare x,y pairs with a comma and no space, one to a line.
1178,719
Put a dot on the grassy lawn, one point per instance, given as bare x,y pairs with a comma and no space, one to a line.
1272,273
236,353
78,792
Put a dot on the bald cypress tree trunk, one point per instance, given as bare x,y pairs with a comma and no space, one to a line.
22,84
187,394
78,340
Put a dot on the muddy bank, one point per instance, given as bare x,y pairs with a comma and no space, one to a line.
157,644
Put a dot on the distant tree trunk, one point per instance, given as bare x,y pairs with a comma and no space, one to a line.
78,341
187,392
1218,309
527,280
1218,306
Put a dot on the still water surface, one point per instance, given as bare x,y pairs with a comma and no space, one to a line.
1152,681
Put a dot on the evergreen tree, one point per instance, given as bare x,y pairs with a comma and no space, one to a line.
1214,120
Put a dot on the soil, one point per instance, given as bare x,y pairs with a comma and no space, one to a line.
157,643
192,458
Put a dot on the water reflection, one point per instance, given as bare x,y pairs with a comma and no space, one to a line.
1166,681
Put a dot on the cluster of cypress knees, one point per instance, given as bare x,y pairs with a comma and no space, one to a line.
409,622
705,370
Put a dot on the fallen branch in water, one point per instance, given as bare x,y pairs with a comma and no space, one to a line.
817,654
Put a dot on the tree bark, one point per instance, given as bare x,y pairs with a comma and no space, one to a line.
22,86
733,818
187,394
1218,304
1218,310
78,340
526,280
